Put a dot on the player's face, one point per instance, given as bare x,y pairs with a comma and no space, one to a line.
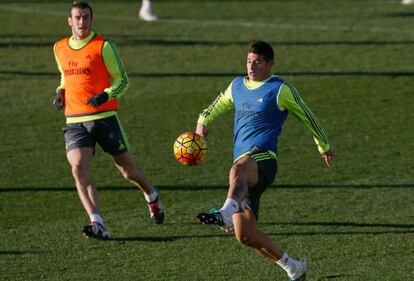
258,69
80,21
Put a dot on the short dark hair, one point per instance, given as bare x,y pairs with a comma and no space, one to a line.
261,48
81,6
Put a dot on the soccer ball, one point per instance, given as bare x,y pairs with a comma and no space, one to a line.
190,148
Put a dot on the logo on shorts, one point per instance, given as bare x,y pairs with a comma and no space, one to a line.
70,143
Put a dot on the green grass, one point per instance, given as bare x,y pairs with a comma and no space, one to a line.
350,60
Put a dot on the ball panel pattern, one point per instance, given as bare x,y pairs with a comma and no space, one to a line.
190,148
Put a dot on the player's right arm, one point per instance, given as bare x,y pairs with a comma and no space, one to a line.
222,104
59,101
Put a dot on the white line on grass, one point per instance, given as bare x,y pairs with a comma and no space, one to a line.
229,23
285,26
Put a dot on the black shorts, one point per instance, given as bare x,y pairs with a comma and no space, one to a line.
107,132
267,170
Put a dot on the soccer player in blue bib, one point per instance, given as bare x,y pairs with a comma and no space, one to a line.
261,103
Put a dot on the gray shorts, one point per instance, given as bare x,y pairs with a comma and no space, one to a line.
107,132
267,169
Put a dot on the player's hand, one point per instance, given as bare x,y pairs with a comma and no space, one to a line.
202,130
98,100
59,101
328,156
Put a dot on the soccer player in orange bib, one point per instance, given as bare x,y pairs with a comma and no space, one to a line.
92,79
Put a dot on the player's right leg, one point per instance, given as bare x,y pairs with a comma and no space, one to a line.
80,146
243,175
215,217
79,159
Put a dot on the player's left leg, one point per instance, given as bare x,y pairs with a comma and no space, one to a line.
246,232
113,140
130,171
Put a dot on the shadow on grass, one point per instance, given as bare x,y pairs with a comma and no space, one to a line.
206,187
164,238
342,224
228,74
133,40
127,40
319,233
406,228
164,1
18,253
337,276
400,15
229,235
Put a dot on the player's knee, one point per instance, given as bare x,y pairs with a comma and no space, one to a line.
129,173
78,170
126,174
81,176
247,240
236,172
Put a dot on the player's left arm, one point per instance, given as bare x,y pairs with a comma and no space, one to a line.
115,67
289,99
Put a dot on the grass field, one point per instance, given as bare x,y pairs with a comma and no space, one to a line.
352,62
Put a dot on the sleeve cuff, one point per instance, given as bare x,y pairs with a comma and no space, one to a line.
323,148
202,120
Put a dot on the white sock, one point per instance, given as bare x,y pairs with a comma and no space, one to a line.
151,197
230,207
96,218
145,4
288,264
